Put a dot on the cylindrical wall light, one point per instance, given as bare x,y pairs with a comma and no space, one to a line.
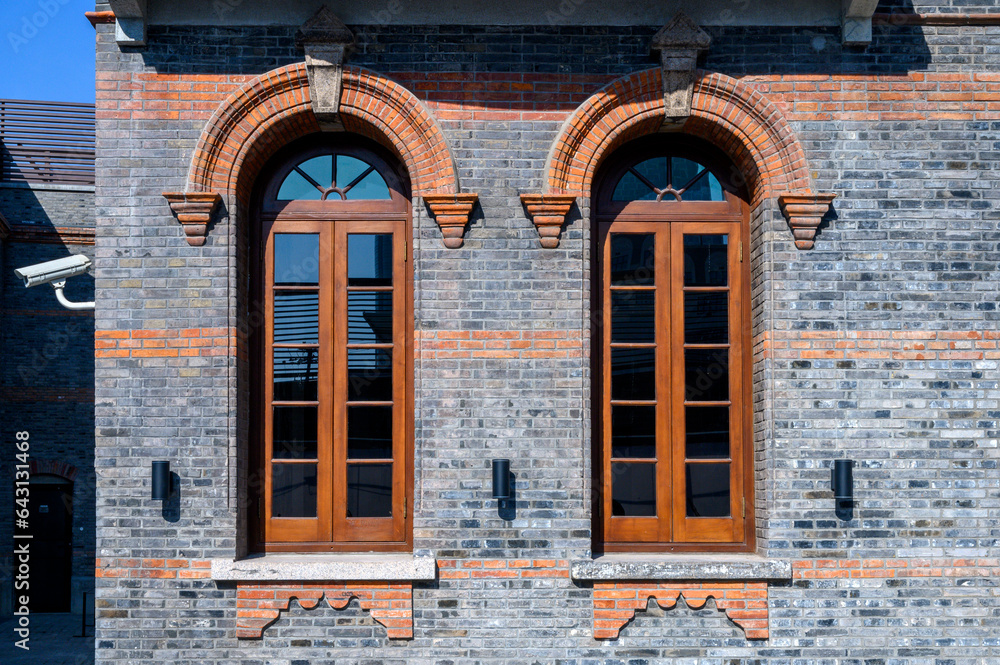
161,481
842,481
501,479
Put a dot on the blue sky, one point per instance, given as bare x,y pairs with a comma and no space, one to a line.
46,50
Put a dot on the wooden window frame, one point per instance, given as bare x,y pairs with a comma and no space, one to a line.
673,531
334,220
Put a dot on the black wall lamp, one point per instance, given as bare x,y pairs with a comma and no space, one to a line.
843,487
501,481
161,481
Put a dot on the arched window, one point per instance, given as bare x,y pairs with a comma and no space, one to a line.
333,430
672,342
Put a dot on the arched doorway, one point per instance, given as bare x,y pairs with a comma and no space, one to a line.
332,422
672,403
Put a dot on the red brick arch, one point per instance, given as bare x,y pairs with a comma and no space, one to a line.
274,109
724,111
54,468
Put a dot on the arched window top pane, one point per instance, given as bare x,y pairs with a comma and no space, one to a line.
334,177
668,179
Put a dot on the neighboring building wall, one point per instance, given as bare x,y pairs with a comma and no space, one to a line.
47,371
880,345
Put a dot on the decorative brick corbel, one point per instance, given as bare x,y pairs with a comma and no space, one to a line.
804,212
194,211
260,605
326,42
451,211
745,603
679,42
548,212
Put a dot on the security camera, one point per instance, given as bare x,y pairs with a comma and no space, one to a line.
56,273
53,271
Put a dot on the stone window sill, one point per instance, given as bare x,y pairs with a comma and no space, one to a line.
701,567
326,567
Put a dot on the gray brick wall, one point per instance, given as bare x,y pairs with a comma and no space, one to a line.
912,248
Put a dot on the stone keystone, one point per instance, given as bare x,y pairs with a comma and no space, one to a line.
326,42
679,42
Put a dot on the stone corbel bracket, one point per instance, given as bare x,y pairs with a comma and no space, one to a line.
804,212
451,212
260,605
326,42
548,212
679,42
856,22
130,21
194,211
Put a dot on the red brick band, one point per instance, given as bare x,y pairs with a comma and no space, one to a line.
511,344
58,235
260,605
181,343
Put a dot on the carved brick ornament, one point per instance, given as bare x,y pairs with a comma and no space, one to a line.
451,212
745,603
679,42
548,212
194,211
260,605
804,212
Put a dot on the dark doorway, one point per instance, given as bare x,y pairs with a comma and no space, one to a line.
51,528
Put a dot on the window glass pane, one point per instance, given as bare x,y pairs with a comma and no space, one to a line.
707,433
632,316
296,259
705,188
369,432
630,188
369,259
296,188
633,489
293,490
371,187
296,317
705,259
633,431
706,317
655,171
707,490
706,375
632,259
294,434
683,171
319,169
369,375
349,168
369,490
369,317
633,374
295,375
